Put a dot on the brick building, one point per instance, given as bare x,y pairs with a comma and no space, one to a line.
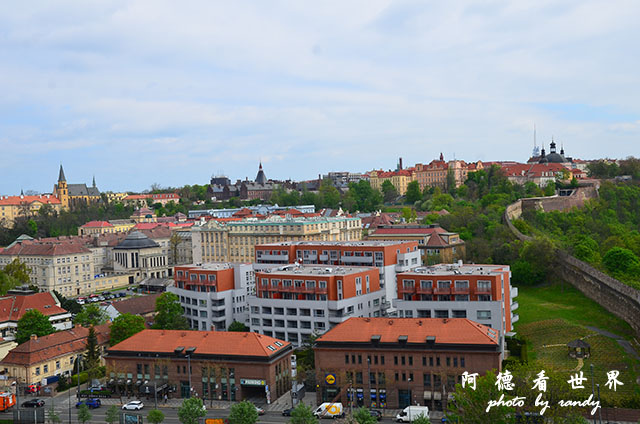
482,293
220,365
391,363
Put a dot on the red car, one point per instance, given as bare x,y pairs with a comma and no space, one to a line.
32,388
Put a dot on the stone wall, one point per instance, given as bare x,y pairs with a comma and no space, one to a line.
618,298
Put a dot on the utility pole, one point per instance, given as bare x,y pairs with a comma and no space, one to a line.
593,390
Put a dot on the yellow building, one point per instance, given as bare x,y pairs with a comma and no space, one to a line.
115,197
104,227
71,195
399,179
235,241
53,355
12,207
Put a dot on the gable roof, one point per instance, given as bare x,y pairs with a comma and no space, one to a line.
139,305
54,345
40,248
20,200
445,331
97,224
13,307
206,343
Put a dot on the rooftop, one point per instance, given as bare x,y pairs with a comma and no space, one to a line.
13,307
413,330
300,270
205,342
138,305
458,269
208,266
363,243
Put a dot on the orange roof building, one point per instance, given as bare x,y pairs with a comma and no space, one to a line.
16,304
394,362
53,355
225,365
12,207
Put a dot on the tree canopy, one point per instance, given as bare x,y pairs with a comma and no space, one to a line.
303,414
169,313
243,413
33,322
91,314
192,410
125,326
237,326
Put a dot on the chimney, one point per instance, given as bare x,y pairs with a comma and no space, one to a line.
400,165
34,337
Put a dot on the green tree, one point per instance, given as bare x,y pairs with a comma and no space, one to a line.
329,195
92,353
389,191
53,416
303,414
112,415
243,413
125,326
550,189
169,313
451,182
7,283
413,193
155,416
19,271
363,416
33,322
174,241
237,326
620,260
192,410
469,405
67,304
91,314
83,414
421,419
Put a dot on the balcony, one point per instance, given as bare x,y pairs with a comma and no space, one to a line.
442,290
321,290
356,259
460,290
514,292
514,318
483,290
323,258
407,290
284,258
304,289
424,290
514,306
310,257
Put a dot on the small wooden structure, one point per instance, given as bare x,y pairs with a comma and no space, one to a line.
579,349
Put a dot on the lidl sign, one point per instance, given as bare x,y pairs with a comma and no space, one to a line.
330,379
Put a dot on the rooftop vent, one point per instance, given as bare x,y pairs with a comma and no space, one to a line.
179,349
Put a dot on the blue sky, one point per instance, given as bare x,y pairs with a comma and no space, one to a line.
143,92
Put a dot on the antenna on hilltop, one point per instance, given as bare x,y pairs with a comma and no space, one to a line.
536,149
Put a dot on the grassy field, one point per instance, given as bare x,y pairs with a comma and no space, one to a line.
552,316
563,301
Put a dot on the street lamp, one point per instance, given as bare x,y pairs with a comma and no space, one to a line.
188,352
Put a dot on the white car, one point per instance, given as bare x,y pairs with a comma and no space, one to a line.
133,405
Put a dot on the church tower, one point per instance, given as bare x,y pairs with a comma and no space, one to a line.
62,190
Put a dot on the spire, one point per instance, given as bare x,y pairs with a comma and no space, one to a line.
21,192
562,149
94,181
61,175
441,157
552,146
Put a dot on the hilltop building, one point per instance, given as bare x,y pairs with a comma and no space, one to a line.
71,195
13,207
261,188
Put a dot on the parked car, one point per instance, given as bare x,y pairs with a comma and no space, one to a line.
287,412
259,410
375,414
122,294
97,388
91,403
33,403
134,405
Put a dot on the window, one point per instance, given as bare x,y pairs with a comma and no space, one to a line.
358,377
459,314
46,368
442,313
484,314
37,370
346,359
427,380
462,362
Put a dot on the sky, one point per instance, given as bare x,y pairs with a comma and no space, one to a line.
170,93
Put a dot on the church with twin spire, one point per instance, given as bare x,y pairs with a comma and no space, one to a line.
72,195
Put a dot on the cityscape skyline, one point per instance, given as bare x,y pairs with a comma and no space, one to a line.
174,96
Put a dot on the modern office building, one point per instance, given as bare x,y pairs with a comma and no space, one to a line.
481,293
213,295
390,257
293,302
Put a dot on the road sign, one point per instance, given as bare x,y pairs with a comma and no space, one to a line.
330,379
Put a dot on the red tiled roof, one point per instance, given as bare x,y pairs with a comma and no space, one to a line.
13,307
18,200
446,331
97,224
206,342
436,241
165,196
421,230
139,305
40,248
54,345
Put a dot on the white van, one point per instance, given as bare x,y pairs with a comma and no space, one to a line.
412,412
329,410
